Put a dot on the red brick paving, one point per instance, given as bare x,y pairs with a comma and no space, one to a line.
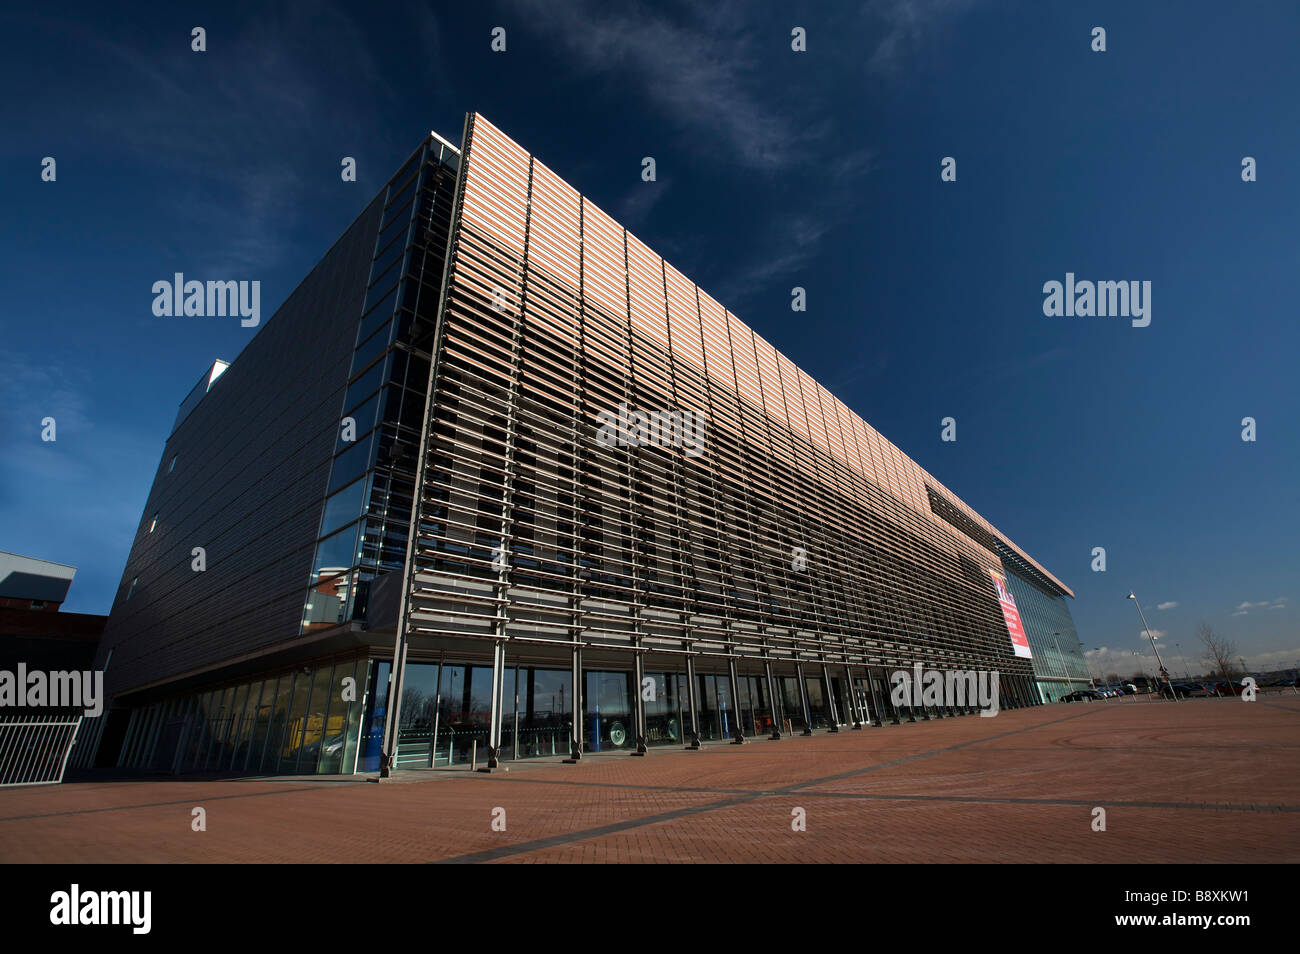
1207,780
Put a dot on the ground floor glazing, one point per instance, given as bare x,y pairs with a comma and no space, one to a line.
329,718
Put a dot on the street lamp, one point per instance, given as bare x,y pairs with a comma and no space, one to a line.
1154,648
1186,675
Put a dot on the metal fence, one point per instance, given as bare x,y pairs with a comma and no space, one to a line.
34,747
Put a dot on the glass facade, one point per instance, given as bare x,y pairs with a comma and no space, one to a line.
1060,665
302,722
367,512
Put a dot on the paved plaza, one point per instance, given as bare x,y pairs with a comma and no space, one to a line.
1202,781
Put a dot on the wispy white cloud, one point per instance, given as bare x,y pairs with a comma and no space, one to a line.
635,206
904,25
31,391
710,73
702,73
235,121
1243,609
1168,605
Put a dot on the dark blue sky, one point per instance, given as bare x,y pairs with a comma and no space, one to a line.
775,169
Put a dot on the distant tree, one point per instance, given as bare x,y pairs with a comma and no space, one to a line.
1219,651
1112,677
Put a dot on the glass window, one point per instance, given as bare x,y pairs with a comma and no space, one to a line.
314,724
412,414
372,347
364,416
545,712
383,282
213,716
352,463
419,704
396,220
364,386
662,712
360,595
275,729
326,602
609,710
131,592
343,507
353,712
234,711
172,465
335,554
382,311
417,377
378,292
261,727
389,548
389,254
244,727
198,746
295,725
398,197
372,729
153,523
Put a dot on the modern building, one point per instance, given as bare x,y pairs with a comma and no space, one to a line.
32,629
35,637
30,584
496,475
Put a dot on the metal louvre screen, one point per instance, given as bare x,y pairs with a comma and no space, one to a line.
783,527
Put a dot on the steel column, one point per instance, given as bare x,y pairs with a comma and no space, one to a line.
772,694
691,693
738,736
832,711
575,743
803,701
638,701
494,727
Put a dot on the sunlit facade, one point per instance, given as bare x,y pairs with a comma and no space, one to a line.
1060,665
738,556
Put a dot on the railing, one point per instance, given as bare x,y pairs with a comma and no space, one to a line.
34,748
453,746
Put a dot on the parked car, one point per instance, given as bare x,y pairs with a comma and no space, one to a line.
1079,695
1129,687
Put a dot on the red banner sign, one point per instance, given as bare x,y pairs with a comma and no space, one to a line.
1019,641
